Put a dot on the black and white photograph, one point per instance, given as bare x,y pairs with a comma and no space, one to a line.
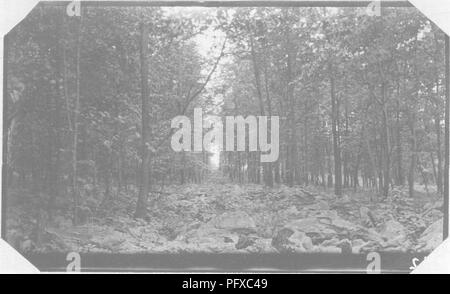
225,137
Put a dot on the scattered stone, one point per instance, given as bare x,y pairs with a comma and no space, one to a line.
26,246
343,200
231,218
433,205
235,220
296,241
358,245
289,240
261,245
312,225
394,233
292,211
331,242
320,205
281,239
244,242
431,237
346,246
112,242
367,217
308,244
329,249
207,239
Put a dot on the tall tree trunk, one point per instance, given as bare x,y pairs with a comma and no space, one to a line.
141,205
413,160
75,129
400,177
437,125
433,165
291,156
358,160
269,165
335,132
385,144
54,177
305,150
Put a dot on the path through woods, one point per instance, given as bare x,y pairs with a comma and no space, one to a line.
221,217
89,161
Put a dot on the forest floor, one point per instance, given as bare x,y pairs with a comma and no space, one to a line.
229,218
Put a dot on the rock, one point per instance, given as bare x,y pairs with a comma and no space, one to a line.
358,242
330,214
307,243
207,239
342,225
320,205
292,211
321,228
431,237
113,243
357,245
394,233
244,242
298,242
372,235
261,245
234,221
331,242
367,217
26,246
343,200
433,205
329,249
433,214
346,246
288,240
281,239
107,238
188,227
313,226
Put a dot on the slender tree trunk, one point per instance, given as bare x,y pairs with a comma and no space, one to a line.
335,131
433,165
358,161
141,205
269,165
305,148
413,160
437,124
291,156
400,177
75,129
386,144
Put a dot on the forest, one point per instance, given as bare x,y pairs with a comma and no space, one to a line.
90,98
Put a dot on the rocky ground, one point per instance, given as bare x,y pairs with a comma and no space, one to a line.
228,218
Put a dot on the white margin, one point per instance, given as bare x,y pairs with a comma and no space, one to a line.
438,262
13,11
11,262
